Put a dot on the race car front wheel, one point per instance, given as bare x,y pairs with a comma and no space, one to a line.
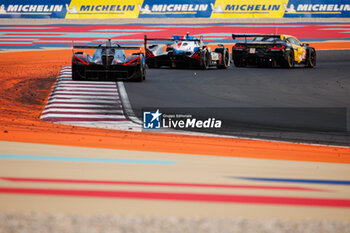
311,59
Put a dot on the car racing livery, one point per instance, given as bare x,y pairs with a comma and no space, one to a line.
184,52
109,62
272,50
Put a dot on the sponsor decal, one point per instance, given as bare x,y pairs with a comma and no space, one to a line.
171,8
158,120
175,8
248,9
318,8
33,9
103,9
30,8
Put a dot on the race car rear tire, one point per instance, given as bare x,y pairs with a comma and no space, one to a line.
225,58
142,75
238,61
205,60
311,59
290,62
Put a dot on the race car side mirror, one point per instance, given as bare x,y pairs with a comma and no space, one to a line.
305,44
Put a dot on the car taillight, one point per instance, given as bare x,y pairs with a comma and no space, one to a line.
149,54
277,47
78,60
133,61
239,46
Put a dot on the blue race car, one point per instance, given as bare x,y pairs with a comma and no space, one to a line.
185,52
109,62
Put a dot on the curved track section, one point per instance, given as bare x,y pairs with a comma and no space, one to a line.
325,86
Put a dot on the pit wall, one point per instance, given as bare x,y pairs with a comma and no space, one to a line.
132,9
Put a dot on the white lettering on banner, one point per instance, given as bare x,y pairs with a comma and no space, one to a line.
34,8
177,7
157,8
12,8
25,8
323,7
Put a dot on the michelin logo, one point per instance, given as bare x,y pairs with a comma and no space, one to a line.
144,10
101,8
316,8
72,10
169,8
218,9
290,9
30,8
2,9
252,7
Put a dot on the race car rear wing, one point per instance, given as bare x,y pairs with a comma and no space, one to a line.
108,45
245,36
104,47
172,39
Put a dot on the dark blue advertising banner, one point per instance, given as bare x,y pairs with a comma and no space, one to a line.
33,9
317,8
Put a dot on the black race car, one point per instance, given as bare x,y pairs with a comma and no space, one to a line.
185,52
272,50
109,62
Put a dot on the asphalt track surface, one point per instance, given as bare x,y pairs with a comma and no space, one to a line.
223,93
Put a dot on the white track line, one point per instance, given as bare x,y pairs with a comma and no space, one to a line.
85,92
85,85
83,101
88,83
83,110
83,105
126,104
85,97
84,89
83,116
